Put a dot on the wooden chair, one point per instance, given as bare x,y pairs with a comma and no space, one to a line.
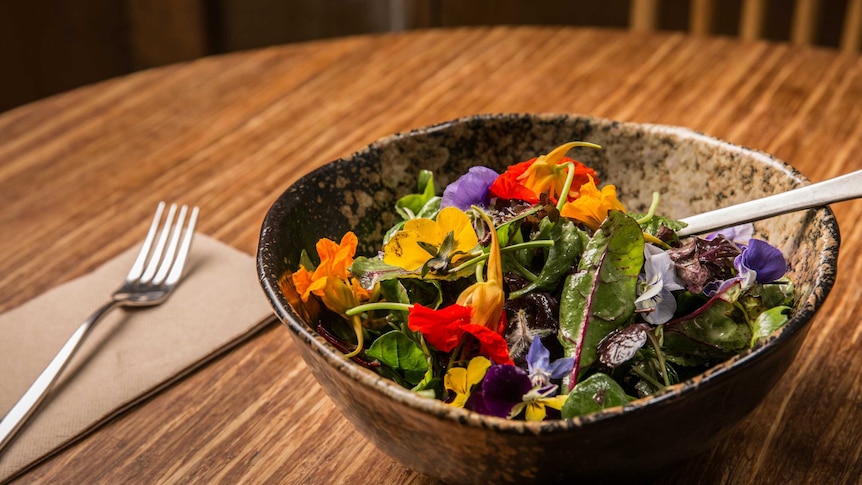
644,17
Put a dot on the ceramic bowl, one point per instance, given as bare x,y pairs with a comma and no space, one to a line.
693,172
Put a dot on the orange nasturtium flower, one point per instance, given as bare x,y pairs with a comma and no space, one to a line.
546,173
593,205
331,281
460,380
486,298
412,246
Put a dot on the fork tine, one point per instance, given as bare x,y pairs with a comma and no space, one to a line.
156,255
168,258
138,266
177,269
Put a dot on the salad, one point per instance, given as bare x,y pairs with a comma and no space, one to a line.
534,294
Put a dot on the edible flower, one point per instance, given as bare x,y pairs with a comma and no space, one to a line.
543,174
659,279
445,328
332,283
470,189
487,297
331,279
507,391
461,381
438,243
541,369
765,260
478,311
592,207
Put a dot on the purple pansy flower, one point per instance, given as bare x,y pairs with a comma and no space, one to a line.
541,369
470,189
502,388
765,260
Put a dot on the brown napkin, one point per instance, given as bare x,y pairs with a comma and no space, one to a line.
129,355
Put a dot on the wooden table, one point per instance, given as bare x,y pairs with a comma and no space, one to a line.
230,133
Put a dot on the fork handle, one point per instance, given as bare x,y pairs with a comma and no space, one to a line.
31,399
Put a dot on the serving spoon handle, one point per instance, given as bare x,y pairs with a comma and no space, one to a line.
841,188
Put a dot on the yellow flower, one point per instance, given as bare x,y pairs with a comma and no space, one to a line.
461,381
535,402
410,248
487,298
592,206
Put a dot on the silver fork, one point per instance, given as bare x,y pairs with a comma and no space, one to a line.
153,276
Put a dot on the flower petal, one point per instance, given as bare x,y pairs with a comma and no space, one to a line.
765,259
441,328
504,386
538,357
491,343
470,189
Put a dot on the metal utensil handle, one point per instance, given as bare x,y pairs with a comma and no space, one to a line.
31,399
841,188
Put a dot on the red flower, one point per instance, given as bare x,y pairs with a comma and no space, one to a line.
507,186
441,328
445,328
526,180
491,343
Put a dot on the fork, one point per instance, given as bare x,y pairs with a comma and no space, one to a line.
153,276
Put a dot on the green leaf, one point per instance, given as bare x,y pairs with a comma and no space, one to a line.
768,322
412,204
655,222
398,351
370,271
305,261
569,242
599,297
717,330
597,392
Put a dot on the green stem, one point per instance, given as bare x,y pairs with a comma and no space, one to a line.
570,177
514,247
380,305
652,208
480,266
647,378
659,356
522,270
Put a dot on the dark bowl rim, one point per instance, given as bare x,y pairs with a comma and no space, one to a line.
713,376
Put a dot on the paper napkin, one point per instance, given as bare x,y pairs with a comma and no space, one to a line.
130,354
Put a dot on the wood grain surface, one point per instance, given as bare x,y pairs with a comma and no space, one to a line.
79,172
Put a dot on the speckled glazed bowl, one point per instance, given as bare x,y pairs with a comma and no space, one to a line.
693,172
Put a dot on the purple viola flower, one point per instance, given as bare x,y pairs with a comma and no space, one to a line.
541,369
470,189
659,279
765,260
502,388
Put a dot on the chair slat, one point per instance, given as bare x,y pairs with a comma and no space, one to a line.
700,18
751,19
644,15
851,36
806,15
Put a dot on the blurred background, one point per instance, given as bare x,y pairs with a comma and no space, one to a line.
50,46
